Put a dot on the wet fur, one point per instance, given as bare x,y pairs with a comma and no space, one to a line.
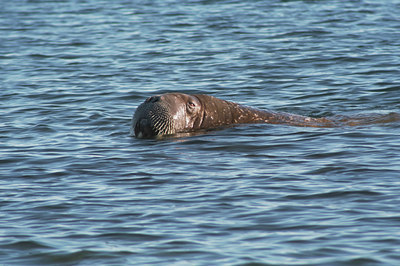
173,113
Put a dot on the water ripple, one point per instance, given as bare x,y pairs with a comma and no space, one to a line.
76,189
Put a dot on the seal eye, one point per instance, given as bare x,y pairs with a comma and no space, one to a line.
191,105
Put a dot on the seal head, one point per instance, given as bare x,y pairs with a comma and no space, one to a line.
167,114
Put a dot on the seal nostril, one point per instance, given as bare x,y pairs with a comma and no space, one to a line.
153,99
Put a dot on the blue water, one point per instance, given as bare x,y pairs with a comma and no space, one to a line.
76,189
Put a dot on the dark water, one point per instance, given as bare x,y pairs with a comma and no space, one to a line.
76,189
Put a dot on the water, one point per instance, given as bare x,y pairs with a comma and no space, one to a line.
76,189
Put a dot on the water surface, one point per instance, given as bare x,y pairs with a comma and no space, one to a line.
76,189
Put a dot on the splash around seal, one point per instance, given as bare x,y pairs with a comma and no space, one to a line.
173,113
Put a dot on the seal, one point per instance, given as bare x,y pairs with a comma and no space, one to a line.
173,113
